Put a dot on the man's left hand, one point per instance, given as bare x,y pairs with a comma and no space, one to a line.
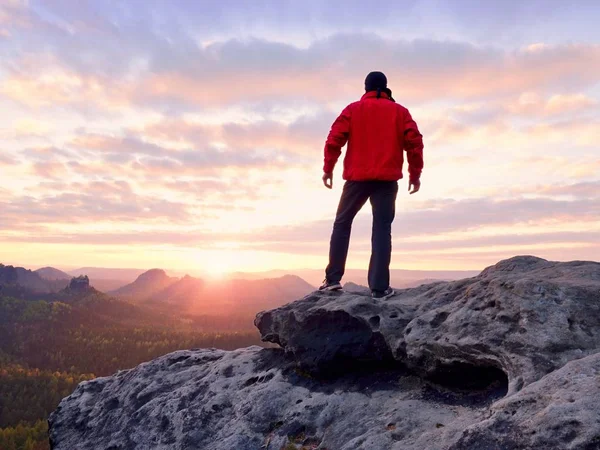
415,185
328,180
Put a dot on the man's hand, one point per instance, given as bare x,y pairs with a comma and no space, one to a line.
328,180
415,185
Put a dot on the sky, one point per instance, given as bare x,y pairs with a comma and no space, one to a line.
189,135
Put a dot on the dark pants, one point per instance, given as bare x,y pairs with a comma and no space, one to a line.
383,202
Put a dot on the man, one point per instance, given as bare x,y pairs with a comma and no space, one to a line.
378,131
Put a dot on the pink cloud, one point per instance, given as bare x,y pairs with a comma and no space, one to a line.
226,73
530,103
7,160
47,169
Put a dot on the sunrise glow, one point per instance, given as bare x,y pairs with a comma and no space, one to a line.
192,137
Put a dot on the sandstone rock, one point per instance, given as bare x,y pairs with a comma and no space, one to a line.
524,316
509,359
79,284
254,399
558,411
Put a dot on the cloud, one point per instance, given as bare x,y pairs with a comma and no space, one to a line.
473,137
309,238
13,13
140,66
109,144
49,169
43,82
92,203
304,135
153,155
588,190
45,153
450,216
583,133
179,130
7,160
419,70
531,103
506,243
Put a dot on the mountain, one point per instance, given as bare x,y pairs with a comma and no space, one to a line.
232,297
222,297
251,296
108,279
127,275
145,285
17,280
106,285
159,297
185,293
509,359
52,274
43,296
24,283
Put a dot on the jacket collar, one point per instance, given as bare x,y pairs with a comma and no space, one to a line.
373,94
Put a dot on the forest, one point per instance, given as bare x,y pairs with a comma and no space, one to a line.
48,346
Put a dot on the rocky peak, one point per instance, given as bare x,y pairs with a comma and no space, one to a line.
80,283
507,359
152,275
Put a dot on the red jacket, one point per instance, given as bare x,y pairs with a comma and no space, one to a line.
377,131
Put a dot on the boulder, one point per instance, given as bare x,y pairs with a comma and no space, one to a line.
524,316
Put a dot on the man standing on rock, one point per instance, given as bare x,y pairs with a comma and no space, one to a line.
378,130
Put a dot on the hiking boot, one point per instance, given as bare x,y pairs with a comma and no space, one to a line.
330,286
382,295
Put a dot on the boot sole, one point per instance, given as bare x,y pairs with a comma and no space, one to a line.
333,288
385,297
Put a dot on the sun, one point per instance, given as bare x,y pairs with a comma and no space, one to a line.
218,269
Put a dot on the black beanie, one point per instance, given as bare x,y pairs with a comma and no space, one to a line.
375,81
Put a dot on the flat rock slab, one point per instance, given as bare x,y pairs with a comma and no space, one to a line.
255,399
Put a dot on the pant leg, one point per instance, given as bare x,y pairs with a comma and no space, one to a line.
354,196
383,203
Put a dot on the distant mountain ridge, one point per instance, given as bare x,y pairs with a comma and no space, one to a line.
110,279
184,292
52,274
43,299
17,278
104,273
199,296
145,285
155,289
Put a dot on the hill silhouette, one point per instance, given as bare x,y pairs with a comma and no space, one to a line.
145,286
217,297
18,281
52,274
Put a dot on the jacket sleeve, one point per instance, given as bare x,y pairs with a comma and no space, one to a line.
413,144
337,138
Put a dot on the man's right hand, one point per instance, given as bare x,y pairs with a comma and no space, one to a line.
328,180
415,185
